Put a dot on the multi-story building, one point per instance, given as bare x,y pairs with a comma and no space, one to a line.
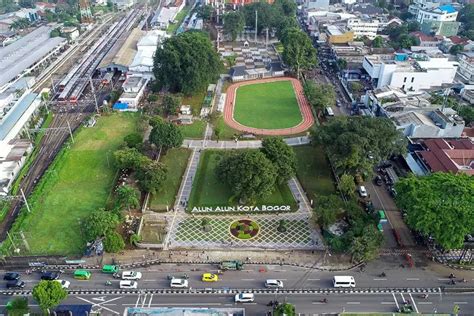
364,27
316,4
466,67
439,21
425,5
338,35
411,76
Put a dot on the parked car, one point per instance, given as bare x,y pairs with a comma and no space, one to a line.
127,284
362,191
50,275
64,284
15,284
11,276
392,191
178,283
378,180
131,275
244,298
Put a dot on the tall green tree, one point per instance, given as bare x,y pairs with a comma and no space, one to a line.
328,208
171,104
205,12
377,42
249,174
151,176
127,197
347,185
186,63
165,135
99,223
285,309
18,306
466,16
440,205
298,51
456,49
113,242
282,156
357,144
319,95
233,24
128,158
366,247
49,294
133,140
268,15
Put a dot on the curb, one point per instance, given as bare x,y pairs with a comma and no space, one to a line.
457,267
208,291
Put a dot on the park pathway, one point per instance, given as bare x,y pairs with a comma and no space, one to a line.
231,144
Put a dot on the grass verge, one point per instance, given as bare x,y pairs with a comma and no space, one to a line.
77,182
179,18
195,130
175,161
313,171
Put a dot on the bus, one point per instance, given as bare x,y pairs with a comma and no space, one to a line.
344,281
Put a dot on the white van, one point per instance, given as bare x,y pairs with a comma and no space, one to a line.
329,111
128,284
344,281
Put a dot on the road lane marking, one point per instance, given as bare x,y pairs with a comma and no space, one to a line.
460,303
443,279
413,279
248,279
151,298
313,279
353,303
138,299
425,303
149,280
101,305
318,303
387,303
380,279
414,304
395,299
188,304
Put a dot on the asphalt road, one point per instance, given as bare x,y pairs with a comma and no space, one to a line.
305,304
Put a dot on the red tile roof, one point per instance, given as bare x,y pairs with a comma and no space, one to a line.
423,37
458,40
449,155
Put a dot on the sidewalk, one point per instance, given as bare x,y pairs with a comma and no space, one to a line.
241,144
318,260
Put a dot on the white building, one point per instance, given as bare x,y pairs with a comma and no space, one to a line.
365,27
134,88
412,76
316,4
29,14
13,155
142,64
123,4
425,5
466,67
445,13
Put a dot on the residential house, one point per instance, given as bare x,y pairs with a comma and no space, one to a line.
439,21
466,67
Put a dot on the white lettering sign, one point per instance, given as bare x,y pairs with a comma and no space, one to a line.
242,208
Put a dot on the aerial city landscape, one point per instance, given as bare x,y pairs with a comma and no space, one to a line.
236,157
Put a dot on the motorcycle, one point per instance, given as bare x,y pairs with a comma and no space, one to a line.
382,275
424,296
324,300
108,283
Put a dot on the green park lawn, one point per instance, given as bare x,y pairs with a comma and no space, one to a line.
313,171
271,105
227,132
175,161
195,130
208,190
172,28
79,181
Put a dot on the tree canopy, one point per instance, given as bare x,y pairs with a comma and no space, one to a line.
128,158
49,294
440,205
18,306
164,134
366,247
151,176
99,223
113,242
171,104
233,24
356,144
282,156
399,37
466,16
186,63
319,95
298,51
127,197
249,174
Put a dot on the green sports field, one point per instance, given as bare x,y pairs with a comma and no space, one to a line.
270,105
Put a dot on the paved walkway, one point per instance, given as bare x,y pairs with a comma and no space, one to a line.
305,109
187,183
230,144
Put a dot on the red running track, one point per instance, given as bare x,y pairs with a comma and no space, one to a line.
305,109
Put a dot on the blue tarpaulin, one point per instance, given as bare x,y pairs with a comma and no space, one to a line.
120,106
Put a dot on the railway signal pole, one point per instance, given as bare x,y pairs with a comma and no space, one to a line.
93,94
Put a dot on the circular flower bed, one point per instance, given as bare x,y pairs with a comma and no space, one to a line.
244,229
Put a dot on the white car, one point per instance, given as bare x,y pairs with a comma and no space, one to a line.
131,275
128,284
272,283
178,283
64,284
244,298
362,191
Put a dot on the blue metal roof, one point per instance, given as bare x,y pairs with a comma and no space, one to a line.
447,8
15,114
120,106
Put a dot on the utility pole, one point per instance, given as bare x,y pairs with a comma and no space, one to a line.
70,131
11,240
256,24
24,200
25,242
93,93
266,38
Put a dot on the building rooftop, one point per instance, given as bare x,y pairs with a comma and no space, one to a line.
447,8
23,53
334,30
10,119
124,49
